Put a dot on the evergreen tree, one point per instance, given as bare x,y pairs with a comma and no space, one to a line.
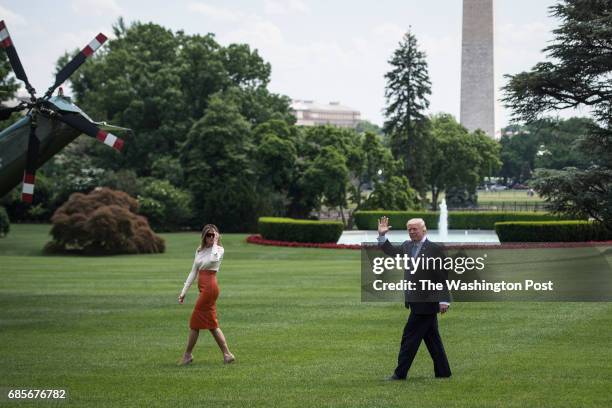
407,91
577,75
218,167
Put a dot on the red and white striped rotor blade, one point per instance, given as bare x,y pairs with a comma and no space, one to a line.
76,62
79,122
7,43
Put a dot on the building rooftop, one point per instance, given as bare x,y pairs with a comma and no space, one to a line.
299,104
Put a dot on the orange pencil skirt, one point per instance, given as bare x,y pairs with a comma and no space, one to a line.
204,314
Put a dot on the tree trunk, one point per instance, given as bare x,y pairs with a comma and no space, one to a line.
434,198
342,215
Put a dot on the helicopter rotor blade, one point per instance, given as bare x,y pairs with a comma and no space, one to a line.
7,43
29,174
79,122
76,62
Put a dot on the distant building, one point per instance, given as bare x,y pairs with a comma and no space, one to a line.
310,113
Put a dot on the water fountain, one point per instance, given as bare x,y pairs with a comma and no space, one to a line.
443,222
442,234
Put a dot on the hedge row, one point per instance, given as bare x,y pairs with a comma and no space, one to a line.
289,229
5,224
368,220
259,240
552,231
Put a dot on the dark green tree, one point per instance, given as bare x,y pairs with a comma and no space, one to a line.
8,89
545,143
365,126
518,154
326,178
407,92
217,160
314,147
576,75
8,84
375,168
459,160
159,83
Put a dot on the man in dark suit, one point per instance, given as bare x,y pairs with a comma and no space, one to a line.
422,323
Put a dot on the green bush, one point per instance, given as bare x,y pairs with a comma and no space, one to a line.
487,219
368,220
5,224
552,231
292,230
167,208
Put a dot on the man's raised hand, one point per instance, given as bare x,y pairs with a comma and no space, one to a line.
383,225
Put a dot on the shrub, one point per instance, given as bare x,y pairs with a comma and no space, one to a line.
487,219
552,231
100,223
292,230
368,220
5,224
166,207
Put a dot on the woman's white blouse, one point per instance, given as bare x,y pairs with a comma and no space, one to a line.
208,258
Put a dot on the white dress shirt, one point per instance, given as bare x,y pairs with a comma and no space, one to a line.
207,258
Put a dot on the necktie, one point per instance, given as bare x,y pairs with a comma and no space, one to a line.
415,249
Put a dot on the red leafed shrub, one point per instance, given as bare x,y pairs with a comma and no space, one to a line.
102,222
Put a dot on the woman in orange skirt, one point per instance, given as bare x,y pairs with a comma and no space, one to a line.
205,266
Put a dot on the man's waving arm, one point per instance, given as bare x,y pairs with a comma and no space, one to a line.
383,242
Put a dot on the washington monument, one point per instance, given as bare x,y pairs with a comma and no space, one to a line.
477,67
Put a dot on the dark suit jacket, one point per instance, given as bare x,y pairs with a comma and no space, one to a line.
420,301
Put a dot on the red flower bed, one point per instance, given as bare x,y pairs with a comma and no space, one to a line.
259,240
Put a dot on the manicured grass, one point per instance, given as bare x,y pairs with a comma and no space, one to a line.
508,196
109,330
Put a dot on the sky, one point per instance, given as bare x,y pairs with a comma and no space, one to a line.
334,50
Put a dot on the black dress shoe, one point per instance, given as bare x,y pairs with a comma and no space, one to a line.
394,378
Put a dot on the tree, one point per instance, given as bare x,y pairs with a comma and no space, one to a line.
275,154
327,146
578,75
275,160
217,160
375,167
406,93
459,160
364,126
518,154
8,84
545,143
159,83
392,193
8,88
327,178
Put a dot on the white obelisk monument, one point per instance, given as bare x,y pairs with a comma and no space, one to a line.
477,67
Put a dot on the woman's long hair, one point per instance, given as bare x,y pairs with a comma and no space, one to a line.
208,228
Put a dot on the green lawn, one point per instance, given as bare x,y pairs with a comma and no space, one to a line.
507,197
109,330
